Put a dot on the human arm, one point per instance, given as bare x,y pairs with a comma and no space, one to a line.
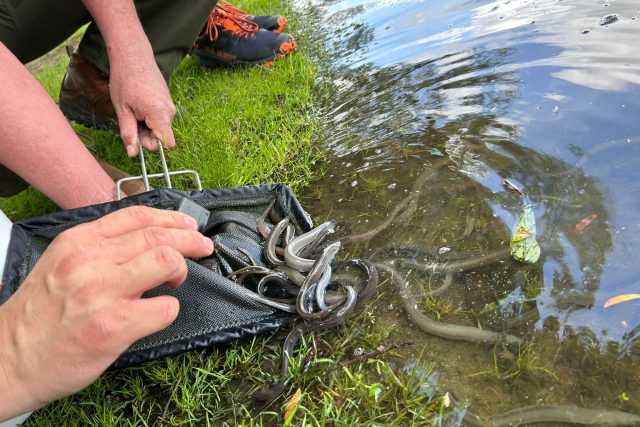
81,306
138,91
37,143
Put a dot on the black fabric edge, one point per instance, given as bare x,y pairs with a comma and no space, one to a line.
201,342
154,197
17,244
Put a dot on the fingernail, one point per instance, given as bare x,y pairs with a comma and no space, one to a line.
131,151
208,243
191,222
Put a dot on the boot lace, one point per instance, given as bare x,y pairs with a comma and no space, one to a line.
228,7
221,19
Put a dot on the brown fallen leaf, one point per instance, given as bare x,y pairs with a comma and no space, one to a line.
583,223
293,404
620,298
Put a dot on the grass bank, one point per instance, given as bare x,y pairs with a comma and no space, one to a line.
236,128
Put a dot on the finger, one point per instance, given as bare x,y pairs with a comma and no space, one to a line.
137,217
161,265
149,315
147,138
128,131
189,243
161,128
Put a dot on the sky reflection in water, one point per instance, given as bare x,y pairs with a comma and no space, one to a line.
535,91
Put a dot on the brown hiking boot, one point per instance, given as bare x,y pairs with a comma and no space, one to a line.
84,95
129,188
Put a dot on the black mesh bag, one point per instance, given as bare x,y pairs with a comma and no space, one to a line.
213,309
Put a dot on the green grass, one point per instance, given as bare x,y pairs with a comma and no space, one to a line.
238,127
214,387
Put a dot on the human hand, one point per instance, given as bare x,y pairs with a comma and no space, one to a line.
80,307
142,102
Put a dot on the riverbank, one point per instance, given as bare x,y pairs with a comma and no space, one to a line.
235,127
238,127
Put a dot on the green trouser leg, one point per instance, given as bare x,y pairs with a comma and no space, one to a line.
171,26
31,28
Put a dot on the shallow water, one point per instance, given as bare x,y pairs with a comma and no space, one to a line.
459,95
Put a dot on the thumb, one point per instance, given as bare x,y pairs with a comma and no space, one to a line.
128,131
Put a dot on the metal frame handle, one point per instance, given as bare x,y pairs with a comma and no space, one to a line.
165,172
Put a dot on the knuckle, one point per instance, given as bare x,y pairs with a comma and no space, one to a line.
69,264
156,236
104,326
168,259
127,134
140,215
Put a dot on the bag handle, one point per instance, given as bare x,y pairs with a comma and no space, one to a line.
165,172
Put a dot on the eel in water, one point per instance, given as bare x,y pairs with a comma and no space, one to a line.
520,416
444,330
408,204
457,266
364,237
555,414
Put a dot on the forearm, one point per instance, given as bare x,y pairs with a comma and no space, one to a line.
138,90
37,143
121,29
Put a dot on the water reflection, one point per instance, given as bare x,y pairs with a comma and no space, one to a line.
463,94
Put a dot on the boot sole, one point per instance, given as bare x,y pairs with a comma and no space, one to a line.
213,62
210,61
74,111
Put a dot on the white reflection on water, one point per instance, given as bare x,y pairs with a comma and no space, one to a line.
605,58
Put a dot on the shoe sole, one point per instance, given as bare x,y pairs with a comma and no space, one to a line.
214,62
73,111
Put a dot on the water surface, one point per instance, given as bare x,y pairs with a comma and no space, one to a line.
460,95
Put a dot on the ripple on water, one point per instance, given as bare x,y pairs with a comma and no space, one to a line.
459,95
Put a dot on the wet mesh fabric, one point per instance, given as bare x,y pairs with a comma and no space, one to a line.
213,309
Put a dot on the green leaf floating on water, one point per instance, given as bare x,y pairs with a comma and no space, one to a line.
524,246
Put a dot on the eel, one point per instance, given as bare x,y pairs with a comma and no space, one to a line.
443,330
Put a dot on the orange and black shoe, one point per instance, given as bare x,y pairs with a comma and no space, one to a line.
233,41
275,23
